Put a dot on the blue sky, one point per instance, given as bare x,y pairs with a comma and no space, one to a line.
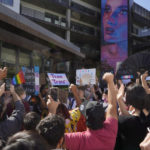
143,3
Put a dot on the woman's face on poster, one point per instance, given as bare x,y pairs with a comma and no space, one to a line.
115,21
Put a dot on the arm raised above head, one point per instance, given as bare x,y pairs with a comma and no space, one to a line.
112,96
144,83
74,90
122,105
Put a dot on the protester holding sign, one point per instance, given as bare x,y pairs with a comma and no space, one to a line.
12,124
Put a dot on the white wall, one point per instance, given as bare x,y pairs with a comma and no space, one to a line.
15,7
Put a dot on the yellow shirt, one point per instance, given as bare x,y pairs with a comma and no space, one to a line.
71,124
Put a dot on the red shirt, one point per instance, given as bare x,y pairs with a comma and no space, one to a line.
81,124
102,139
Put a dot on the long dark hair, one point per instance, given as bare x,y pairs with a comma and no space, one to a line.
63,111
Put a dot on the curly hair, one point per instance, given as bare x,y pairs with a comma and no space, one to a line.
52,129
26,141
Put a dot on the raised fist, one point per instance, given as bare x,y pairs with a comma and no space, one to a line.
108,77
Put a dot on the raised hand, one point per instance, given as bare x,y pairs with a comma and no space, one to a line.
108,77
143,76
73,87
112,104
145,145
2,89
12,89
120,93
3,73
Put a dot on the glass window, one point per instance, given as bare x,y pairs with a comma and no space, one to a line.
48,19
24,59
63,24
48,65
7,2
61,67
8,55
37,60
56,22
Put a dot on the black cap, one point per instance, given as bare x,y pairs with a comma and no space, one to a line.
88,105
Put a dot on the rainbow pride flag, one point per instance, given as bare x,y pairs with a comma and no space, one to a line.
18,78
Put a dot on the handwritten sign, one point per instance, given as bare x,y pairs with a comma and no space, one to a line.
86,76
58,79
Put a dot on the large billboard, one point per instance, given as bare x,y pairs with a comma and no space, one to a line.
114,32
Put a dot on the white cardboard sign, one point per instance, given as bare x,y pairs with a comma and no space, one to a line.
58,79
86,76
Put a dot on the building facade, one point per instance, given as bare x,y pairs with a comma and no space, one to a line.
64,35
77,21
140,29
25,42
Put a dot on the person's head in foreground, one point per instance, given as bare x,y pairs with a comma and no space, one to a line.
52,129
31,120
137,97
26,141
94,114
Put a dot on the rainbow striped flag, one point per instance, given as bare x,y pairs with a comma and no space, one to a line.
18,78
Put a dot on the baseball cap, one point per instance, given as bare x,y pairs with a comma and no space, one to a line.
87,105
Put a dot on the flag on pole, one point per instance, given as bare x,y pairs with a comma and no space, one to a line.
18,78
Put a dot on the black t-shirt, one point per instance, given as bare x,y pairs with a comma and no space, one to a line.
131,131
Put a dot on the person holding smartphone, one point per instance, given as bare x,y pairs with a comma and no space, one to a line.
12,124
52,100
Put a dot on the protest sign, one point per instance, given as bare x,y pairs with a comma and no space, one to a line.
58,79
86,76
31,75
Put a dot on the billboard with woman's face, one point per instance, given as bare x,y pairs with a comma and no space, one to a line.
114,32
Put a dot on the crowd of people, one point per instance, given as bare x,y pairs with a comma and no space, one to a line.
91,118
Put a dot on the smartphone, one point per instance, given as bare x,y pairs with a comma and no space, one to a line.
7,84
54,92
